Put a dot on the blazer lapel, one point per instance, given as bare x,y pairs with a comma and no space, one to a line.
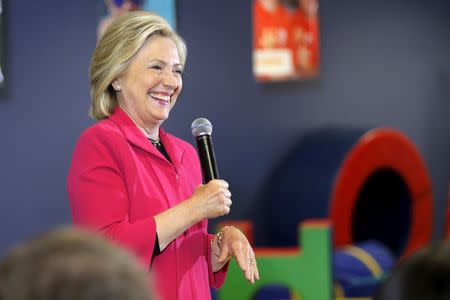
132,132
137,138
174,149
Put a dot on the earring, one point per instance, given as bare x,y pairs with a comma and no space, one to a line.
116,86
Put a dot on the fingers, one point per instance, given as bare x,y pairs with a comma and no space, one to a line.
234,243
226,210
249,273
223,187
256,270
226,193
254,273
223,193
246,261
227,201
223,183
219,187
224,254
238,253
214,198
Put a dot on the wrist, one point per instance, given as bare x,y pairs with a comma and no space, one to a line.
215,247
220,235
216,242
194,210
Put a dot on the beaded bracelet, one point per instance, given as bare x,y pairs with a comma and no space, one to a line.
219,240
212,248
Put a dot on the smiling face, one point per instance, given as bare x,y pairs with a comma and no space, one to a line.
149,87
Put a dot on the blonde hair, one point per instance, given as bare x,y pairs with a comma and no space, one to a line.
114,52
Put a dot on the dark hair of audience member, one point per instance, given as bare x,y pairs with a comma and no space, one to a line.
425,275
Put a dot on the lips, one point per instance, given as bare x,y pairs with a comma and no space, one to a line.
161,98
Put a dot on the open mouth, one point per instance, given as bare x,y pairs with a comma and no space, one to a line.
160,98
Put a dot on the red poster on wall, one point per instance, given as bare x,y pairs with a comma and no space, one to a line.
285,39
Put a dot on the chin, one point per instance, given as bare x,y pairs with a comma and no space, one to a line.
161,118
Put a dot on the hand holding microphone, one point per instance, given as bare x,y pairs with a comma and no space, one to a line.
213,197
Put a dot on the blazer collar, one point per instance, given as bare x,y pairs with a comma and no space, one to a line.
135,136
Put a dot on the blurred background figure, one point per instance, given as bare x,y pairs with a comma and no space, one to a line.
116,8
271,24
272,56
305,38
71,264
423,276
2,78
447,218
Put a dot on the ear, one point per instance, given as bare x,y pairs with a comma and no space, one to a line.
116,85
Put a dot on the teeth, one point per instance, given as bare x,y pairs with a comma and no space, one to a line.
160,96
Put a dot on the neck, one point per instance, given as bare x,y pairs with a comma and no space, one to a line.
149,132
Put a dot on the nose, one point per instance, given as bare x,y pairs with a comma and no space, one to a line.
170,80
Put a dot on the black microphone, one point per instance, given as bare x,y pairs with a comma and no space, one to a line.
201,130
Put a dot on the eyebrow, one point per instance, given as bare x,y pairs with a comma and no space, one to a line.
165,63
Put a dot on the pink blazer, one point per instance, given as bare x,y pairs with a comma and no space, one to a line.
118,181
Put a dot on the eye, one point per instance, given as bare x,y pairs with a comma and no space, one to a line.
178,71
156,68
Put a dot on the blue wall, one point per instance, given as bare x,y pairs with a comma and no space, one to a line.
385,63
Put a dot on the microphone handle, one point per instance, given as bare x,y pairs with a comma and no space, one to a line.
207,158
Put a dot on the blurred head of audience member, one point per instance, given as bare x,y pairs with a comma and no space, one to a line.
425,275
447,218
71,264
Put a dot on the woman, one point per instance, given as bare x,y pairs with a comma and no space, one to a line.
140,185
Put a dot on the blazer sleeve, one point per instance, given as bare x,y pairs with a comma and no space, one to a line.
216,279
99,201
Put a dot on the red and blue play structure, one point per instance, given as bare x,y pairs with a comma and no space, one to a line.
373,189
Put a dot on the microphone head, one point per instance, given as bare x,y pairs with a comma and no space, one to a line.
201,126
